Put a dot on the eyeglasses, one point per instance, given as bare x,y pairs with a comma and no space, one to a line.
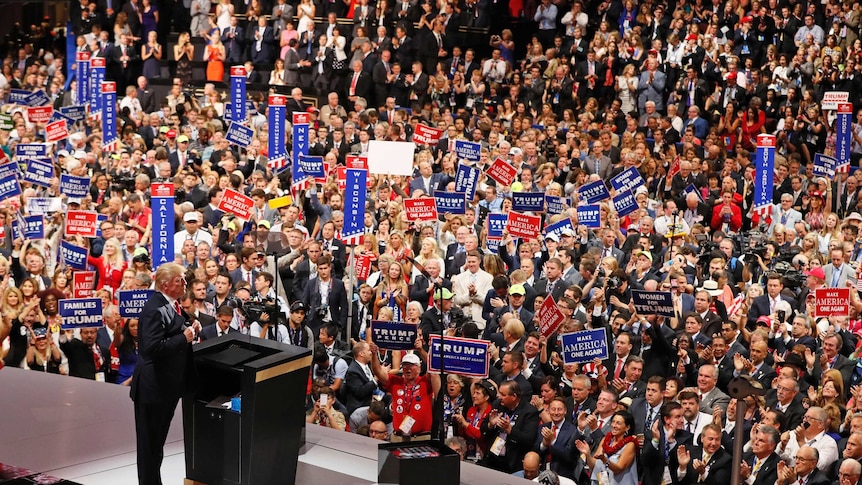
801,458
846,476
811,418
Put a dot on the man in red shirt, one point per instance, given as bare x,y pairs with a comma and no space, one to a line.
138,216
726,216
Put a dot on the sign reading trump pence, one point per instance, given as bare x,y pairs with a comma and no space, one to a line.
463,356
584,346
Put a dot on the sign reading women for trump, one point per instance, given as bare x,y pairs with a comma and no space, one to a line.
628,179
463,356
653,303
81,313
132,302
584,346
426,135
466,180
394,335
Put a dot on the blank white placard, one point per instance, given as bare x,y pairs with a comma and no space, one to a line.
390,157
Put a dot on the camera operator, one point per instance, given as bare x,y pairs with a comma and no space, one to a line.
264,292
298,332
618,290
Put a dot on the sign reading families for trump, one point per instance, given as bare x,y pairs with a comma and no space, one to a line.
831,302
82,284
426,135
132,302
72,186
463,356
550,317
421,209
523,225
528,201
467,150
394,335
653,302
584,346
80,313
502,172
39,172
81,223
237,204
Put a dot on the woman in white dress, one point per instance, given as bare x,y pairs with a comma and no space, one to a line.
627,85
224,11
306,11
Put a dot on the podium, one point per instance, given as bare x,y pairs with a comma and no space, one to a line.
259,443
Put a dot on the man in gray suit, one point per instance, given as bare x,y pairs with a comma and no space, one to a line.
651,86
293,64
710,395
838,272
282,13
597,163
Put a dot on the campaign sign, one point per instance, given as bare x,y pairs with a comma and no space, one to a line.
467,150
426,135
523,225
356,161
394,335
450,202
593,192
37,98
276,119
764,175
585,346
162,223
300,144
9,187
237,204
132,302
108,107
312,166
363,267
843,135
57,130
421,209
8,169
493,244
497,224
528,201
40,114
831,302
559,227
354,204
39,172
628,179
555,205
82,284
590,216
464,356
72,186
550,317
466,180
77,112
81,223
239,134
18,96
44,205
73,256
31,150
824,165
653,302
624,203
33,227
58,116
6,122
692,189
97,77
80,313
502,172
831,99
82,76
237,94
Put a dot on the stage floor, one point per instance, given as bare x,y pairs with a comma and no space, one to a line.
84,431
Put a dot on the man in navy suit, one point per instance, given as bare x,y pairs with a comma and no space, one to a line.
709,464
326,298
764,305
224,316
261,40
232,38
762,457
662,450
647,409
164,368
247,270
427,181
555,442
359,382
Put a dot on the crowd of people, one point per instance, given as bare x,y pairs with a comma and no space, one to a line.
678,91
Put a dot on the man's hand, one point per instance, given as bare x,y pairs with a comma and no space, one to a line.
683,456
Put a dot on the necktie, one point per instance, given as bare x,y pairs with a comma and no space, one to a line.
836,275
248,277
756,468
97,357
619,368
353,84
688,426
555,429
702,476
177,308
601,423
649,419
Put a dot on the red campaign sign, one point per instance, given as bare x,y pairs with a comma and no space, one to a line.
56,131
300,118
81,56
237,71
82,284
40,114
162,190
322,180
426,135
3,157
81,223
277,100
831,302
363,267
765,141
523,225
236,204
341,174
98,62
502,172
355,161
550,317
845,108
421,209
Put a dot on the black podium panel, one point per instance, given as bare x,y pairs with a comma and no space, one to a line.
417,462
258,444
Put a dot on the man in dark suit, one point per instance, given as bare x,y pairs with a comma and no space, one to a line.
261,41
232,38
333,246
831,359
83,355
647,409
418,83
224,316
667,430
326,298
786,399
402,46
756,367
295,103
381,76
427,182
359,383
422,290
246,271
515,421
35,264
580,400
631,385
553,283
358,84
764,305
293,64
762,458
164,368
589,75
709,464
555,442
147,97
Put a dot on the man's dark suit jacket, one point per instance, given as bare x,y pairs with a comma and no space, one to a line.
210,331
768,473
652,474
358,388
719,468
525,426
562,453
337,305
81,362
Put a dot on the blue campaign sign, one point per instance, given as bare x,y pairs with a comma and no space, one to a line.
584,346
311,166
593,192
9,187
39,172
97,77
824,166
589,215
276,119
163,223
556,205
57,116
528,201
44,205
108,108
100,218
628,179
764,173
300,146
394,335
493,244
80,313
31,150
237,94
34,227
497,224
624,203
559,227
239,134
466,180
9,169
37,98
77,112
843,135
72,186
691,189
653,303
468,150
464,356
450,202
82,77
18,96
355,194
73,256
132,302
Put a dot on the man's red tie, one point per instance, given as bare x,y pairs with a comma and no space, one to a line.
97,357
177,307
554,429
618,369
